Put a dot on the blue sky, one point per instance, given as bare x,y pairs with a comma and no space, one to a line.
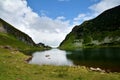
67,8
49,21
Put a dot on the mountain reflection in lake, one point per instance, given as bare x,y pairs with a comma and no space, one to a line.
107,58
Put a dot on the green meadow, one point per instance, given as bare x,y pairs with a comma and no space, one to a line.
13,66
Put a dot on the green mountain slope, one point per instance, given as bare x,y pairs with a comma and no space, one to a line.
11,37
102,31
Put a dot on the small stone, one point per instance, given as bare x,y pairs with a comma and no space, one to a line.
47,55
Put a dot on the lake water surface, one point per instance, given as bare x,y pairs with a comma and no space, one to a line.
106,58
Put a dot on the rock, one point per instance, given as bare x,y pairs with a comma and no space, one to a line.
49,58
47,55
96,69
7,47
27,60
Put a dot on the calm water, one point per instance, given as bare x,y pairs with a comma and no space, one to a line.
51,57
107,59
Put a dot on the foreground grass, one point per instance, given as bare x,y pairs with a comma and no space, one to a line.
14,67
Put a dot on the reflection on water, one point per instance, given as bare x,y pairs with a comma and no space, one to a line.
107,58
51,57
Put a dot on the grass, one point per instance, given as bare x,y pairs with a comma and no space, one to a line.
9,40
68,43
14,67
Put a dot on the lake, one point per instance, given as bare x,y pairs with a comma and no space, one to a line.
105,58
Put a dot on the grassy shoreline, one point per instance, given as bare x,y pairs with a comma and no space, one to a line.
87,47
13,66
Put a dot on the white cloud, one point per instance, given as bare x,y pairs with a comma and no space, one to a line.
61,18
43,12
81,17
96,9
40,28
104,5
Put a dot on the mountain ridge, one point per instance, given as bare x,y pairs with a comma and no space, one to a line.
102,31
8,28
12,37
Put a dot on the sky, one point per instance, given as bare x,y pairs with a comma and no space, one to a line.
49,21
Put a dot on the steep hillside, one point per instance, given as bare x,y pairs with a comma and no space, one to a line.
11,37
7,28
102,31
